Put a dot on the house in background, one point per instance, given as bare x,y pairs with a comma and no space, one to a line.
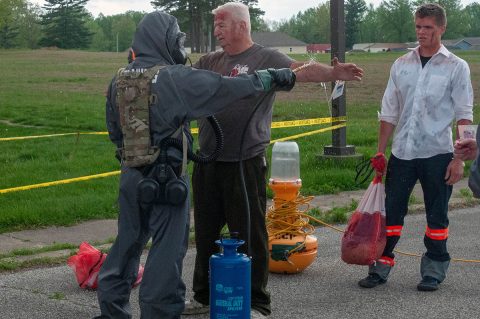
361,46
458,44
319,48
474,43
387,47
379,47
280,41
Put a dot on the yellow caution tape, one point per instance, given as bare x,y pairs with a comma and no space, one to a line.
64,181
283,124
307,122
49,135
78,179
334,127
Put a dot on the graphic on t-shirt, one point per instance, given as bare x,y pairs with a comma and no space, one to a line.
238,69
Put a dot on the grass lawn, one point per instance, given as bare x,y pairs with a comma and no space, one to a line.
55,91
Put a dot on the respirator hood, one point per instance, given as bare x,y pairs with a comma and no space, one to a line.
158,40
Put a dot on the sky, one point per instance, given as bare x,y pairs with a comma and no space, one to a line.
274,9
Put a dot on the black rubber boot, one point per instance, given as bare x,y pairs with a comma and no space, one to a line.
371,281
428,284
377,274
433,273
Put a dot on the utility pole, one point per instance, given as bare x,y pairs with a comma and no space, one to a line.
339,145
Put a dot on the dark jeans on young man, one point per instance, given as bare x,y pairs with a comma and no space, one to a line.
400,180
219,200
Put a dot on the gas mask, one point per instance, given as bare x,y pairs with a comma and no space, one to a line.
161,185
179,54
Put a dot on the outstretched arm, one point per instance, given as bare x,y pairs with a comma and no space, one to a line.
319,72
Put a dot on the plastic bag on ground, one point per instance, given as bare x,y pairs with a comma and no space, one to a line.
365,237
87,263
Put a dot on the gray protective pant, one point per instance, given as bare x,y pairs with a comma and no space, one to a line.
433,268
380,269
162,291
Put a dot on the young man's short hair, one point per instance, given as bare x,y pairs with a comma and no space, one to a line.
432,10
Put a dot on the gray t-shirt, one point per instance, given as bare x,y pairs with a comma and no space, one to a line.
234,120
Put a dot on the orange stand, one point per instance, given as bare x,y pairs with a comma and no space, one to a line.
289,253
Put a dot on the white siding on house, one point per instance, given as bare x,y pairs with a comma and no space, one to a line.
361,46
294,49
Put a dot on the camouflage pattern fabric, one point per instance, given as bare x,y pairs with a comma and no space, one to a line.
133,100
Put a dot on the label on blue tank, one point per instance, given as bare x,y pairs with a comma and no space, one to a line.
227,303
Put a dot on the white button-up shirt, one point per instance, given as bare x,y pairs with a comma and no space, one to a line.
423,102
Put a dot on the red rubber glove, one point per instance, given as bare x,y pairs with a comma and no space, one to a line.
379,164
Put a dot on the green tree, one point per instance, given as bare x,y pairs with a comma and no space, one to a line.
123,28
310,26
355,11
65,24
112,31
10,11
396,20
195,16
369,30
260,25
98,41
29,23
472,13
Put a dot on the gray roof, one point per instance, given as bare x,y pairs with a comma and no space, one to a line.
389,45
472,41
276,39
451,42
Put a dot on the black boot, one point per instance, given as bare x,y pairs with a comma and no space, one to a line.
433,272
377,274
371,281
428,284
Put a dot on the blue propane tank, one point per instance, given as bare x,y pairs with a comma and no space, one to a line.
230,274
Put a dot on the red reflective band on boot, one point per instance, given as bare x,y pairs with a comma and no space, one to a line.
436,234
386,261
394,231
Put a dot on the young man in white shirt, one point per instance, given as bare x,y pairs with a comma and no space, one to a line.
428,89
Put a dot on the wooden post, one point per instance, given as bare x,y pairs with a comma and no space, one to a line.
339,145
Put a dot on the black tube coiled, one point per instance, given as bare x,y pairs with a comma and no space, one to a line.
177,143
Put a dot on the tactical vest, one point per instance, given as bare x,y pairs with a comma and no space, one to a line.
134,99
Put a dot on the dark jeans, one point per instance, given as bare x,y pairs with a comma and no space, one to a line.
219,201
400,180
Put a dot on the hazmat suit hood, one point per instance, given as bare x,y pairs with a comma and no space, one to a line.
155,40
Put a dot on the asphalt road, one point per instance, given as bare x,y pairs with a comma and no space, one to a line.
327,289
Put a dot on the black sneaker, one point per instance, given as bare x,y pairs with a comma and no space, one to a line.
428,284
193,307
371,281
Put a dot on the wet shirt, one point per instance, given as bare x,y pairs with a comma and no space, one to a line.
423,102
234,120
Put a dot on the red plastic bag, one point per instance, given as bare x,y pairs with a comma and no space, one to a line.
86,265
365,237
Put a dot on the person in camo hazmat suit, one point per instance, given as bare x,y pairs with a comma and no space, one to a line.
182,94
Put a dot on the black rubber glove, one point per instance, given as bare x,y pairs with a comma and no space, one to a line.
284,79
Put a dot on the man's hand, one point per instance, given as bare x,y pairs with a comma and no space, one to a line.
379,164
454,171
284,79
346,71
465,149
